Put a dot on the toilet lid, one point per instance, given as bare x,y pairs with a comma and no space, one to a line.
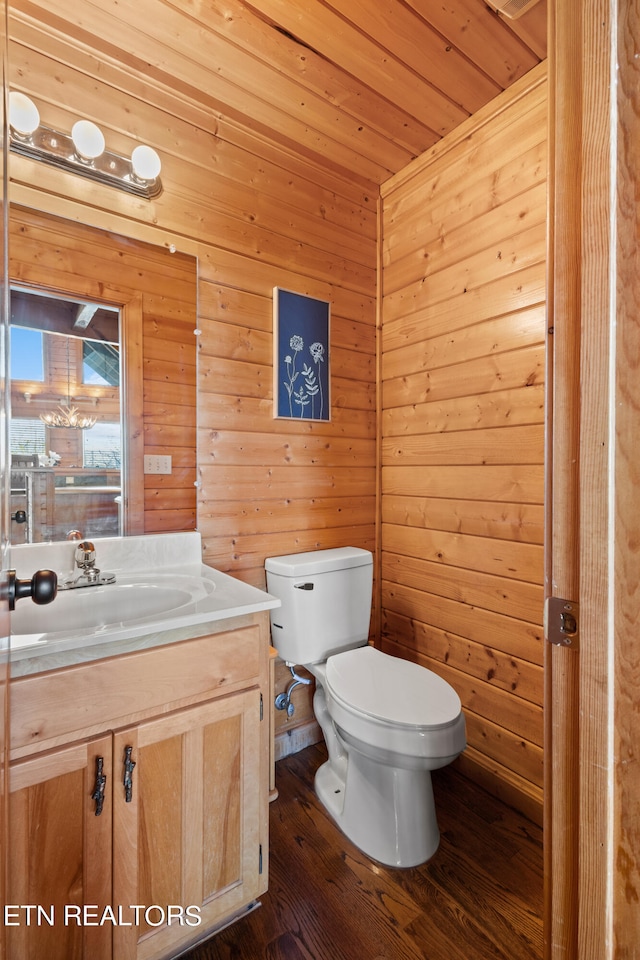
392,689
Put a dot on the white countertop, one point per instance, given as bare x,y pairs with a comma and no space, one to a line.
167,557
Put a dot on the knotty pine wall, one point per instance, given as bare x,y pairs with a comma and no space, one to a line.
255,216
463,345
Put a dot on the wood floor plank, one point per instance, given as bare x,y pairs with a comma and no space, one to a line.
478,898
514,855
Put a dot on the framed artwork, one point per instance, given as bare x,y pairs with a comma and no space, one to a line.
301,362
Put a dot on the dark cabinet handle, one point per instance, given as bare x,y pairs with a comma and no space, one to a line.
101,782
129,764
42,588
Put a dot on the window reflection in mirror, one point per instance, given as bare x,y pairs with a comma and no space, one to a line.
65,428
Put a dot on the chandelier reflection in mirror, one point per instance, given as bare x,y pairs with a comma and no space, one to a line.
67,416
82,151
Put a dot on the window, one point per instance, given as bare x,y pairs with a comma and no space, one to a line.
100,363
102,447
27,358
27,436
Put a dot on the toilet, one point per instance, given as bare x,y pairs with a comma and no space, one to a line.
387,722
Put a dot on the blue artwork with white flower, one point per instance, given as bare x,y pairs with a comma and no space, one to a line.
301,337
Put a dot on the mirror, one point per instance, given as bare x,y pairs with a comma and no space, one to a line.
148,293
65,429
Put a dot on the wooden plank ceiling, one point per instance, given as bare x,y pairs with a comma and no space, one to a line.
358,86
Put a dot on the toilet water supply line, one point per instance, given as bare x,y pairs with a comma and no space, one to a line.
283,700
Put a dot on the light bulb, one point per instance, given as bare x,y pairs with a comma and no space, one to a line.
146,163
87,139
23,114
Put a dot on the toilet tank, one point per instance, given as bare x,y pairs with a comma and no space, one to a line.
326,602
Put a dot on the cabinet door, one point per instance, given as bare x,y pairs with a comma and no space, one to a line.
187,842
60,855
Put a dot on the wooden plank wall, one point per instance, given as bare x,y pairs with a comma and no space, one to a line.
462,359
459,505
255,216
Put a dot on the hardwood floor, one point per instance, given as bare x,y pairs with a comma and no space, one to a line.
478,898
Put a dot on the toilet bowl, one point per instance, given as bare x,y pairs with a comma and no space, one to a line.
394,705
387,722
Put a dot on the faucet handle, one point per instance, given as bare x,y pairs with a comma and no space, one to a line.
85,554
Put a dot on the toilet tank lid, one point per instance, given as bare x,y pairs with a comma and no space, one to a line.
318,561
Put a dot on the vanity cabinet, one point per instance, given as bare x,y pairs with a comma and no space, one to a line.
59,854
182,833
188,842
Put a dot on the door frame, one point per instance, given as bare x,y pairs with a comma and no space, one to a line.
4,478
592,822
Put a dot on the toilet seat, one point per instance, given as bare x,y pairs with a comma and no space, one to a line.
391,690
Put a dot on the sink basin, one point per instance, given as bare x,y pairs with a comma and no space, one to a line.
94,609
163,594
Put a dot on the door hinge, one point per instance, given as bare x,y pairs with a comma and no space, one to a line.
261,708
561,622
260,859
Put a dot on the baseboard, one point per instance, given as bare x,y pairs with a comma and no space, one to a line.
296,739
523,796
238,915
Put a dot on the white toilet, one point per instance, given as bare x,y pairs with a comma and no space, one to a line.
387,722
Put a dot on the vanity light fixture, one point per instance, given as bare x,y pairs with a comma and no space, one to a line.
82,151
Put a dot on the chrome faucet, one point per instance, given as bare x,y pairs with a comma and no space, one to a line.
89,576
85,557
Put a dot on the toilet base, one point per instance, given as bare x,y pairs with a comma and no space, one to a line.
388,812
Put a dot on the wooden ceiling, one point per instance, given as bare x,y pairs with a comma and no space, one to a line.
362,86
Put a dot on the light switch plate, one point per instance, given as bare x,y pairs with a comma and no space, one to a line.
153,464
